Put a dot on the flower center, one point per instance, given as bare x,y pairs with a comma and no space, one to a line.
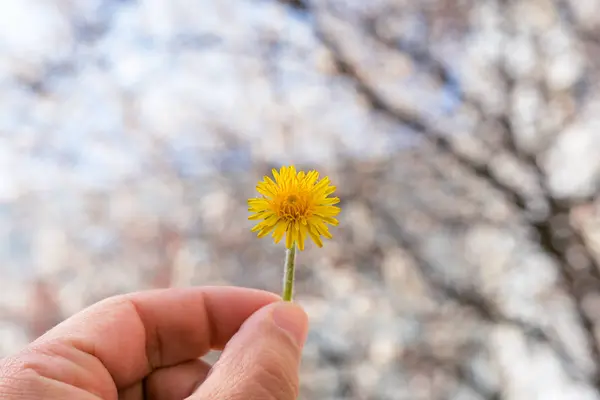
292,206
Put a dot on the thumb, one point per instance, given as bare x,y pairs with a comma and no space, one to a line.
261,361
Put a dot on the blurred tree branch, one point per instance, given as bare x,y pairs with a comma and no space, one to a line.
553,231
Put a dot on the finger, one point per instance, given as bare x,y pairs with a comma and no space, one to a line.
261,361
169,383
122,339
178,382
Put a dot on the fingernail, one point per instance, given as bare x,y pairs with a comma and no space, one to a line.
293,320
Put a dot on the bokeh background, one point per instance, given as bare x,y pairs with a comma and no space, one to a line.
463,135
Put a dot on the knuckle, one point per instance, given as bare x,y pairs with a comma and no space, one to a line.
17,379
276,378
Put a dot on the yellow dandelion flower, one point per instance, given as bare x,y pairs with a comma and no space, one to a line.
295,204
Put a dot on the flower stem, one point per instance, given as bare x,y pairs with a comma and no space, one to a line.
288,278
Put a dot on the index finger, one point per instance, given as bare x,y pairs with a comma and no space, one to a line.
133,334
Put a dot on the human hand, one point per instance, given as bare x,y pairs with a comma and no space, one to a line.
146,346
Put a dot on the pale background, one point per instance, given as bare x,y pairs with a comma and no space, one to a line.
464,137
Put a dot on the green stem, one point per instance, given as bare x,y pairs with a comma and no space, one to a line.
288,278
